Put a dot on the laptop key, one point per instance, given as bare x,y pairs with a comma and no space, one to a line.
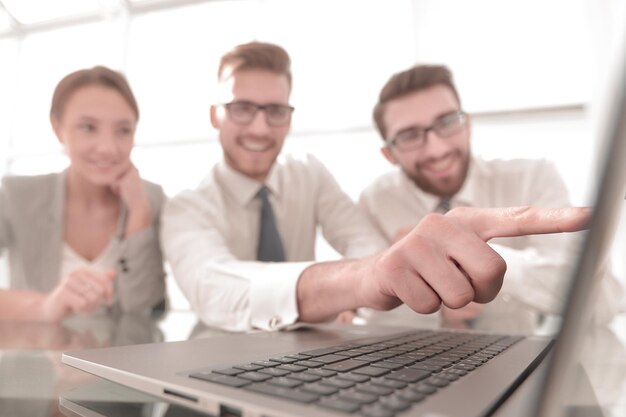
321,372
426,367
284,359
394,402
437,381
388,365
299,356
449,376
229,371
266,364
255,376
274,372
473,361
409,375
358,397
370,388
411,396
328,359
353,377
292,368
389,383
287,393
309,364
338,383
339,405
402,360
320,389
377,410
248,367
321,352
371,371
352,353
285,382
231,381
424,388
304,377
345,366
459,372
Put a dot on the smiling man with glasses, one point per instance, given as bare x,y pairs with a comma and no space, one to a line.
238,243
426,135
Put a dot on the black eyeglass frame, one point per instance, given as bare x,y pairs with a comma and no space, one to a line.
422,132
257,107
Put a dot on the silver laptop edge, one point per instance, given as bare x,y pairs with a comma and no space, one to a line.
583,286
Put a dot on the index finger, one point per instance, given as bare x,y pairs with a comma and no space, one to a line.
489,223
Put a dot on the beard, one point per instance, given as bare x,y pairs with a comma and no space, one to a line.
441,187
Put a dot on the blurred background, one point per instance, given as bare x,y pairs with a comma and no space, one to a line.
531,72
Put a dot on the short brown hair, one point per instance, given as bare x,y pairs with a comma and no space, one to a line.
416,78
255,55
98,75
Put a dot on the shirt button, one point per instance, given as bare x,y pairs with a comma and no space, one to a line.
275,322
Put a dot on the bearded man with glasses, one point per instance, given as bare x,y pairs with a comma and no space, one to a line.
426,134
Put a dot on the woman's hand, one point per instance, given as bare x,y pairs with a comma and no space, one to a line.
81,291
131,191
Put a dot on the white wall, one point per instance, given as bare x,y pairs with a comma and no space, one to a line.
529,70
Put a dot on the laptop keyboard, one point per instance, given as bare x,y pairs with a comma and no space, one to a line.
375,378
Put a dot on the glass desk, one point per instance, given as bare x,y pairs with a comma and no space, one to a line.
34,382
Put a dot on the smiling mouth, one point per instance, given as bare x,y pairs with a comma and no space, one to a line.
441,166
255,146
103,164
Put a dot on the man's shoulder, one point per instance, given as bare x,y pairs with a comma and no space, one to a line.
387,182
512,167
301,170
208,188
298,160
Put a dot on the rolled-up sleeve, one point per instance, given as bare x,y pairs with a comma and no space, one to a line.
225,292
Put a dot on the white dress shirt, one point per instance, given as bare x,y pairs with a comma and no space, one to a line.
538,265
210,238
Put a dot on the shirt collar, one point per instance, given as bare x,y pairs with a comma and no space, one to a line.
244,189
466,197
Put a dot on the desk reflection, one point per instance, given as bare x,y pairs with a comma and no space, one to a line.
32,376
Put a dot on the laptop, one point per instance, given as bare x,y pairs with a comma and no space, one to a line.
333,370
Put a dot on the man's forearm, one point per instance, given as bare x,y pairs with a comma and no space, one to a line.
328,288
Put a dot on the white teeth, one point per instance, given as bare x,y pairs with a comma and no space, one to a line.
441,165
256,146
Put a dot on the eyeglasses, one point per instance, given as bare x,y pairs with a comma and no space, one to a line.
244,112
415,137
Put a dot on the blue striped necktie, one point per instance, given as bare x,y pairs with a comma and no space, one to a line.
270,247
